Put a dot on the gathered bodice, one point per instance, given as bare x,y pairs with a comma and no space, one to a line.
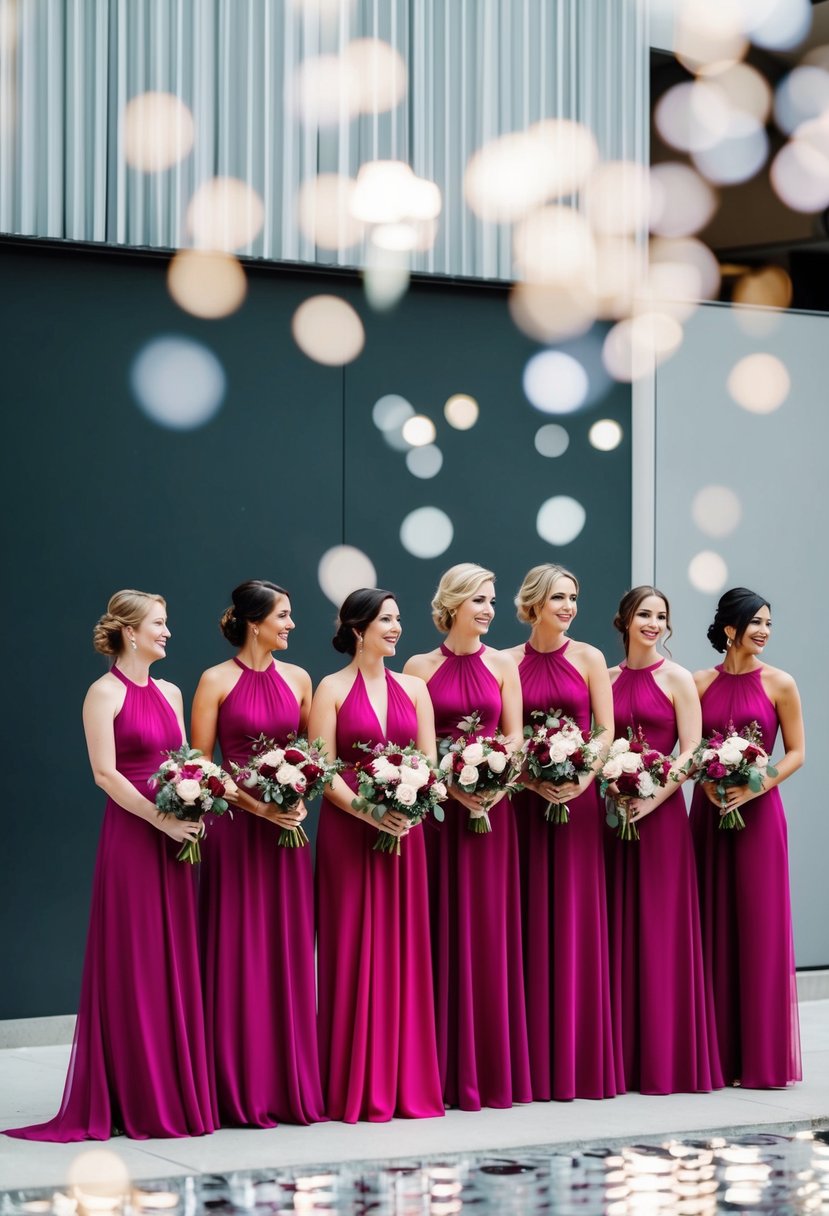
739,699
145,728
357,721
550,681
638,701
463,684
259,702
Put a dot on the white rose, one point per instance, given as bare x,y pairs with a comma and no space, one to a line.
273,758
761,761
188,791
468,775
730,754
497,761
618,746
406,795
415,777
646,786
630,762
206,801
440,791
738,741
473,753
288,774
559,751
210,768
612,768
708,754
446,762
382,770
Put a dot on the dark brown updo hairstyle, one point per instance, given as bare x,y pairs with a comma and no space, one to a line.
627,609
125,610
252,602
736,607
357,612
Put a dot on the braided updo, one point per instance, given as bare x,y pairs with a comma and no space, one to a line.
126,609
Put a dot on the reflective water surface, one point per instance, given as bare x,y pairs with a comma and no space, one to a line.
754,1173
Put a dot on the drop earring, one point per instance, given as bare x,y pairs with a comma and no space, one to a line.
133,643
361,643
729,643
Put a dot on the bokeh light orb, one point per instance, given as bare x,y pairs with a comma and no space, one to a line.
635,345
426,532
716,510
779,25
738,155
707,572
769,287
158,131
551,440
206,283
344,569
560,520
390,412
759,383
328,330
461,411
801,96
380,73
425,462
324,211
99,1180
800,174
605,435
419,430
225,213
681,201
324,90
178,382
549,312
555,382
617,198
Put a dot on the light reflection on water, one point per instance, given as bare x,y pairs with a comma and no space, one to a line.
759,1173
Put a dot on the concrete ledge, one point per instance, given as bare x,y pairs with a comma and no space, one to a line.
37,1032
813,985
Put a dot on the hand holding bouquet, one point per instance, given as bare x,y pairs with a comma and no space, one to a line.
733,758
637,771
556,750
188,786
478,764
284,775
399,779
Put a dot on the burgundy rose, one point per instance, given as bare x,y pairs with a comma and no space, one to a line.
636,746
215,786
267,770
650,758
311,773
715,770
751,753
626,784
578,758
294,756
191,772
543,756
397,759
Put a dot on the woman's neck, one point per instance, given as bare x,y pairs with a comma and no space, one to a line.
462,641
546,639
738,661
370,666
135,669
639,656
255,656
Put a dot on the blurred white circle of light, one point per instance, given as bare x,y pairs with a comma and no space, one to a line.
707,572
801,96
325,90
567,150
555,383
328,330
560,520
636,344
99,1179
8,26
551,440
618,275
342,570
380,72
461,411
681,202
426,532
397,238
709,33
390,412
206,283
738,155
225,213
617,198
178,382
424,462
693,115
506,178
605,435
550,311
800,175
382,192
554,245
780,25
385,277
419,430
746,89
324,211
681,272
759,383
768,287
716,510
158,131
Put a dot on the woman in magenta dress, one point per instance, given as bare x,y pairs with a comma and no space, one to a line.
744,875
660,996
476,913
574,1052
257,899
376,1019
138,1062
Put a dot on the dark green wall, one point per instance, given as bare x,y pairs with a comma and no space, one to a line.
97,497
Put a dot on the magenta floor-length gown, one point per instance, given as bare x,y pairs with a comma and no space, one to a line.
138,1061
257,930
666,1011
476,919
575,1051
746,909
376,1018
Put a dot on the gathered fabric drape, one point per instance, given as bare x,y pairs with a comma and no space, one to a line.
476,69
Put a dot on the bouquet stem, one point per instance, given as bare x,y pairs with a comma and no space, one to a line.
732,820
627,828
386,843
190,851
479,824
292,838
557,812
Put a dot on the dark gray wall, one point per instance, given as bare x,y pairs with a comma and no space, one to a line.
98,497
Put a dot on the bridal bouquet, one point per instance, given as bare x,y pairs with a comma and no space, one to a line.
733,758
479,764
188,786
284,774
638,771
557,750
397,779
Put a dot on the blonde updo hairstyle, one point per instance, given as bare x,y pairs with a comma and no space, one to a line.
125,610
535,590
458,584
